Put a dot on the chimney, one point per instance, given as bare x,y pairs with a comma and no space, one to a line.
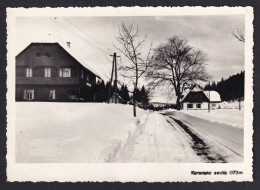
68,44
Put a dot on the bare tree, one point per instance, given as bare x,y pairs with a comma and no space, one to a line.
238,35
177,63
132,47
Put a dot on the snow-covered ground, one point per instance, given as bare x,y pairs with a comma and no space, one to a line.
233,117
231,105
98,132
157,141
72,132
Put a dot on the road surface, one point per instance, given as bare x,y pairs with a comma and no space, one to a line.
168,137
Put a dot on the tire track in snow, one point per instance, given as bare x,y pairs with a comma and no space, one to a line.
199,146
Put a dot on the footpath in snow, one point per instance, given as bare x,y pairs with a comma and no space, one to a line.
157,141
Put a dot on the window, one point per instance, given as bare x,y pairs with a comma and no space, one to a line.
82,74
190,105
47,72
28,94
52,94
43,54
198,105
213,105
28,72
88,77
65,72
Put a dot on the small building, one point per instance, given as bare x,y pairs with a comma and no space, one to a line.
200,100
51,71
115,98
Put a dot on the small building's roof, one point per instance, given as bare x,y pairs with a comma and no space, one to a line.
118,96
51,39
201,96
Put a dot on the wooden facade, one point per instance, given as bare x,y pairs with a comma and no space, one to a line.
48,72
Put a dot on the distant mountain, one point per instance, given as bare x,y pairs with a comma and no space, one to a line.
163,94
231,88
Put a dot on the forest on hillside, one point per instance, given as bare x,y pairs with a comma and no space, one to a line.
231,88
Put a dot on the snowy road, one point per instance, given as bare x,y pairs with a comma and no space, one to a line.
167,138
224,140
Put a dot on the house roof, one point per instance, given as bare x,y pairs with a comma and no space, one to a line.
54,39
201,96
212,95
118,96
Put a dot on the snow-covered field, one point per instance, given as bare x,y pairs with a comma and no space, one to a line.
72,132
233,117
99,132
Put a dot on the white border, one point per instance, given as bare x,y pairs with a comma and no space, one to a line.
151,172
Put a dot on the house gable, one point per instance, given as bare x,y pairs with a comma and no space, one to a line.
27,57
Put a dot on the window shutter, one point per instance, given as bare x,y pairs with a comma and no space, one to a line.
24,94
69,72
60,72
27,72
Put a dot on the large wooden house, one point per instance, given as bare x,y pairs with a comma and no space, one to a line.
51,72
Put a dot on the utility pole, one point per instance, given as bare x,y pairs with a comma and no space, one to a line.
109,92
134,100
115,82
239,100
209,98
114,67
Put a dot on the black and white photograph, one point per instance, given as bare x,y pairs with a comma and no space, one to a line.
135,88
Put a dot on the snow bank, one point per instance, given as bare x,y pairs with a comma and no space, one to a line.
232,117
72,132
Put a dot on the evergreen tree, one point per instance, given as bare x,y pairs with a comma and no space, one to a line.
144,96
138,96
123,92
231,88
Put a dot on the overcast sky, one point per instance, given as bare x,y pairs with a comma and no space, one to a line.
93,37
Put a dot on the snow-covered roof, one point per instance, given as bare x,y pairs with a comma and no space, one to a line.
55,39
114,94
213,96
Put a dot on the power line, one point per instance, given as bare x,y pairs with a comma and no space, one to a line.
84,32
83,36
76,34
